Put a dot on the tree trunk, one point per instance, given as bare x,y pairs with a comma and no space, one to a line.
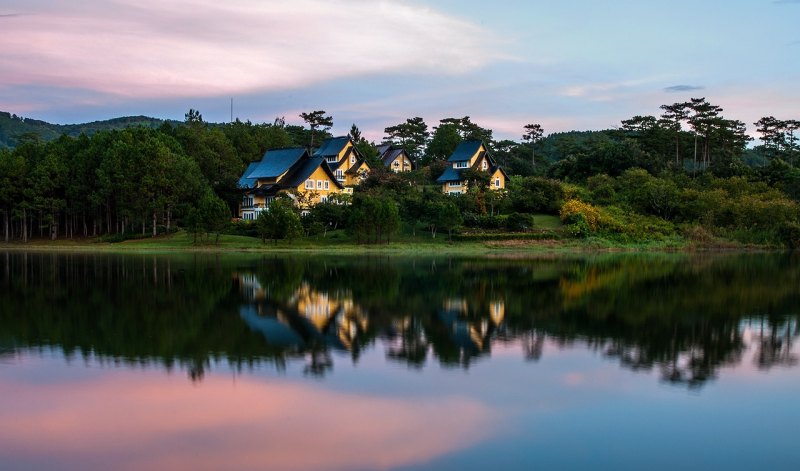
5,224
154,223
24,225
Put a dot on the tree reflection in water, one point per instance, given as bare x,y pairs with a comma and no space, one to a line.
683,316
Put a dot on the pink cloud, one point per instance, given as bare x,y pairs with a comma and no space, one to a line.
152,48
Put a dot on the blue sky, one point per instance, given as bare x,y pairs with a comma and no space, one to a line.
569,64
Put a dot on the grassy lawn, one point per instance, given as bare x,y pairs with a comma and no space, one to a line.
546,221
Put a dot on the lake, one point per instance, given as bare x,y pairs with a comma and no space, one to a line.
250,361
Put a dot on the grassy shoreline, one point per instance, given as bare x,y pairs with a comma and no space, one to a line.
182,242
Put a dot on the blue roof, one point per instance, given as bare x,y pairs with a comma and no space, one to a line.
450,175
465,151
305,169
274,163
244,181
332,146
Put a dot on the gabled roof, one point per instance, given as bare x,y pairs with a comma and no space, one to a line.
388,153
275,163
353,170
465,150
332,146
495,168
308,166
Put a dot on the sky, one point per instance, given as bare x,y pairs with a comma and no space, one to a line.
566,64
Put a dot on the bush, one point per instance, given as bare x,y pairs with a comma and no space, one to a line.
574,211
519,222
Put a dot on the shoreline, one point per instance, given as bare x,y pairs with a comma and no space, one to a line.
517,248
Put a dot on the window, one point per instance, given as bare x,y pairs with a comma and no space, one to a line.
340,175
331,159
309,184
319,184
352,158
484,165
323,199
396,163
453,183
461,164
326,185
497,182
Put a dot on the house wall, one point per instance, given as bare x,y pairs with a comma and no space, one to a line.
403,164
447,189
319,192
497,175
352,180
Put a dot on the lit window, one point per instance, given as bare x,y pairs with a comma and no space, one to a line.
340,174
484,165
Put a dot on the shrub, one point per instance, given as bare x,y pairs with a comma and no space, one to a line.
574,210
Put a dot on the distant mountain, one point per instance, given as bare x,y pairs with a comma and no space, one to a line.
13,126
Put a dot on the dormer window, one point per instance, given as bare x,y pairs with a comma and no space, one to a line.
331,159
461,164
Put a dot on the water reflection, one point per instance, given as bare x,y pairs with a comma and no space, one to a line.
684,317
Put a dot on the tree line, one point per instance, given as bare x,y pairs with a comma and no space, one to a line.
142,181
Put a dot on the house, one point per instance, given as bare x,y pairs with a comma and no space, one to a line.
472,155
395,158
307,180
344,159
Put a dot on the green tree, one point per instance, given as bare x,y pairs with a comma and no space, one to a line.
315,120
533,132
279,221
412,135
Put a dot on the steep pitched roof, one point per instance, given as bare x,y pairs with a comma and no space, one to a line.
465,150
332,146
304,170
495,168
388,153
275,163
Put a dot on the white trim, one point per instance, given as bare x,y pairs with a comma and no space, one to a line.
326,185
319,184
464,164
309,184
452,184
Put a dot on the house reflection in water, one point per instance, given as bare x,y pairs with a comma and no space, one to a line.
469,330
308,321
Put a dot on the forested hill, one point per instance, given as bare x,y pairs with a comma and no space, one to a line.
12,127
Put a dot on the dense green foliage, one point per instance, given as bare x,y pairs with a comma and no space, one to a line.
684,175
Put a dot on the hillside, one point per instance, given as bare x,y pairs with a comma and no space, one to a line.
13,126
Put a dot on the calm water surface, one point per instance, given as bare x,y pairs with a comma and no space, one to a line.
359,363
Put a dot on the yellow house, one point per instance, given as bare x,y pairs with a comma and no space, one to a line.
344,159
470,155
395,159
307,180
